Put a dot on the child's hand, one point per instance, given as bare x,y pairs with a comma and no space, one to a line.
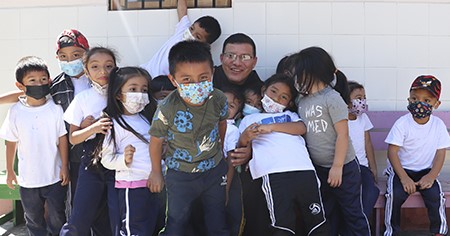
89,120
335,176
408,185
129,153
251,132
155,182
426,182
264,129
240,156
101,126
10,179
64,175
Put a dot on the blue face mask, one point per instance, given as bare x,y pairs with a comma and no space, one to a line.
72,68
195,93
249,109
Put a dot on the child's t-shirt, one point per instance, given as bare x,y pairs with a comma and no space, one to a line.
159,64
37,131
135,174
320,111
356,130
231,136
88,102
276,152
418,143
192,132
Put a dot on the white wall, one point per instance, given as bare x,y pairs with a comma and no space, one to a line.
383,44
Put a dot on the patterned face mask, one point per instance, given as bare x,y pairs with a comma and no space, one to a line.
270,106
359,106
187,35
419,109
72,68
195,93
102,90
135,102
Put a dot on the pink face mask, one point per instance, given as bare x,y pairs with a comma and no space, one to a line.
359,106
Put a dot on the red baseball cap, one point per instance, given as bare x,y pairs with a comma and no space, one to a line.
429,83
71,37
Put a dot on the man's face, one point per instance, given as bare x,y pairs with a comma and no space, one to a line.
238,61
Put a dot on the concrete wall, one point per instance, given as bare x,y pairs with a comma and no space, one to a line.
383,44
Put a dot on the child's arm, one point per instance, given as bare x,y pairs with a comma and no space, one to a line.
10,155
181,8
371,155
427,180
408,184
155,181
10,97
222,132
78,135
117,161
294,128
248,135
63,148
335,174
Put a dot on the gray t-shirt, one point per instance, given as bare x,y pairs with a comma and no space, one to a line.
320,111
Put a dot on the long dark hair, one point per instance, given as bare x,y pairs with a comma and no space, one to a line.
314,64
114,108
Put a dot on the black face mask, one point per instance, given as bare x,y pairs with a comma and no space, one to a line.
38,92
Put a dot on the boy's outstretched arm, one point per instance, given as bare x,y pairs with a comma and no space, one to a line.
427,180
181,8
10,97
155,181
294,128
10,156
63,148
408,184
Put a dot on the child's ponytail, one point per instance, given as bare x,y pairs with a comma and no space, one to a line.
342,86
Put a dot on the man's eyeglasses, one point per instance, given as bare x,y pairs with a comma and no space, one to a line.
242,57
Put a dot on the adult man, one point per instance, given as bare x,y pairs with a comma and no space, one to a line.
238,60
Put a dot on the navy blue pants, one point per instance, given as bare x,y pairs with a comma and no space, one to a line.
345,199
139,210
234,207
183,188
370,191
95,198
395,196
33,201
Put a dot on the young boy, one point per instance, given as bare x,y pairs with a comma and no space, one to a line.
205,29
194,120
416,153
36,126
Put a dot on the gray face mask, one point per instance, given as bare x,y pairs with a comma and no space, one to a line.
249,109
102,90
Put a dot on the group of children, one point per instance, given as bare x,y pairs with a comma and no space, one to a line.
140,145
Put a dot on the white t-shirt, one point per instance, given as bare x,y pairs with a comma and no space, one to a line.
80,84
159,64
357,129
37,131
418,143
231,137
139,168
88,102
276,152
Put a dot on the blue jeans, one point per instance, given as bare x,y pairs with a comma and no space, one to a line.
183,188
33,201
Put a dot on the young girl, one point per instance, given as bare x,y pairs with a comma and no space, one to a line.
359,126
323,107
125,149
280,158
93,183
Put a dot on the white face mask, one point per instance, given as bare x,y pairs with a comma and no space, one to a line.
135,102
270,106
249,109
187,35
102,90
